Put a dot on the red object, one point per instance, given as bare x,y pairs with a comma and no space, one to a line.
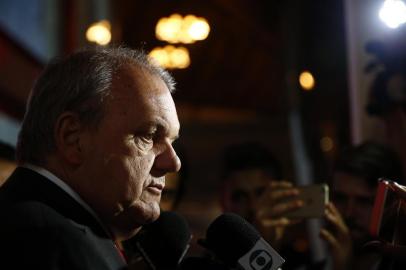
121,252
379,205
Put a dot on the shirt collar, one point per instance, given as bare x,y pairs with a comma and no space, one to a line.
65,187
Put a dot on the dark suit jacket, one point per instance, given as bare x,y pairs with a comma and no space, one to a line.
42,227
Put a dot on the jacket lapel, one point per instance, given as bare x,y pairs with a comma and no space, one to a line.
27,185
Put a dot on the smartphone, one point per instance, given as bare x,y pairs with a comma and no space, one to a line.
388,217
315,198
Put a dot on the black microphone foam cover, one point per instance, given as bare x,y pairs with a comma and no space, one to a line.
230,237
201,263
164,241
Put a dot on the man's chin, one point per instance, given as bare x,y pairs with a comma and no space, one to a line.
148,212
155,213
130,221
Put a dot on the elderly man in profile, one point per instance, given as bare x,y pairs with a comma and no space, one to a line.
93,150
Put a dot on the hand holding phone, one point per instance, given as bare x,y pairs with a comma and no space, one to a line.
278,199
294,202
337,235
284,204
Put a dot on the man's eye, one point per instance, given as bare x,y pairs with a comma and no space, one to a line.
148,137
238,196
259,191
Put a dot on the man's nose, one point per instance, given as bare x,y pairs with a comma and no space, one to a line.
252,202
251,207
166,161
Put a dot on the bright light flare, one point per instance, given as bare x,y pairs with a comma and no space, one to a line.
168,28
199,30
180,58
306,80
160,56
178,29
393,13
99,32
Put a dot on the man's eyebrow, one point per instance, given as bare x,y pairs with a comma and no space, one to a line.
160,126
153,123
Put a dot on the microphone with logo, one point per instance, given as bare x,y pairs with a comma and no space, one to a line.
201,263
160,245
238,244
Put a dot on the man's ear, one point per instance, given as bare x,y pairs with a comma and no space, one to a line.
68,129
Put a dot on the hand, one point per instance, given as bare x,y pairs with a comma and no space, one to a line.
338,238
272,208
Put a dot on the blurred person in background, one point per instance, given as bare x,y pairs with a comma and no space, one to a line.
252,184
353,188
387,100
7,161
387,92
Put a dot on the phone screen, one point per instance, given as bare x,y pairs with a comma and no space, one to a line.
315,198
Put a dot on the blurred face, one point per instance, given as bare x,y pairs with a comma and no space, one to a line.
242,191
128,155
354,199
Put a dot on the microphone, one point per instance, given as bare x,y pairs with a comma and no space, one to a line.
163,243
201,263
239,245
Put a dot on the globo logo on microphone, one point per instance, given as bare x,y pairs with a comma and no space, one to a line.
260,260
261,257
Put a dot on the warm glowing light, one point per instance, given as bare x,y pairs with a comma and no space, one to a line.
178,29
160,56
168,28
306,80
171,57
393,13
180,58
326,144
199,30
99,32
184,34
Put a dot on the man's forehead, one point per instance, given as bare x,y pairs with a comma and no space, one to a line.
133,81
250,178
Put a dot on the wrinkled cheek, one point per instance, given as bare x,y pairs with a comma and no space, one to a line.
138,168
135,178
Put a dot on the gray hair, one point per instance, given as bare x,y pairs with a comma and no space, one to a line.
77,83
